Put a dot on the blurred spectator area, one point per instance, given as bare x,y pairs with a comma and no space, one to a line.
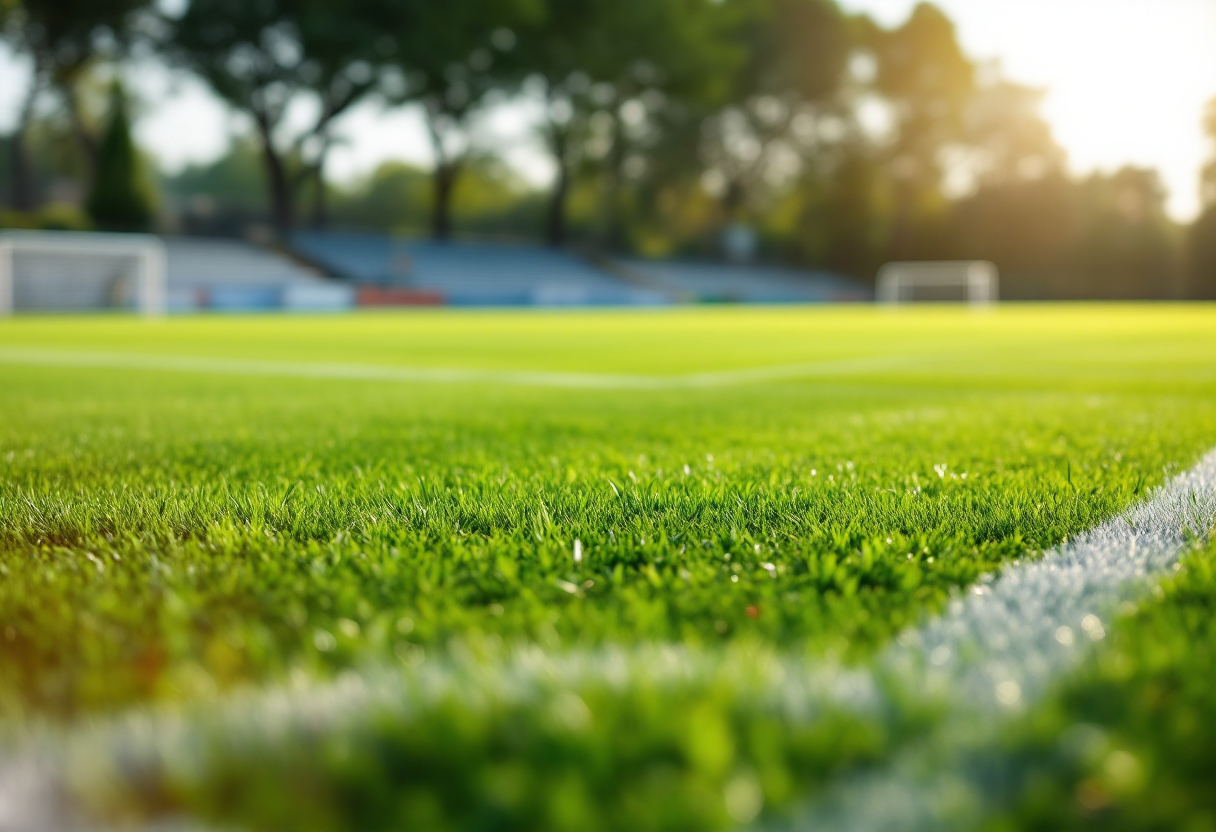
471,273
339,270
730,283
223,275
234,275
516,274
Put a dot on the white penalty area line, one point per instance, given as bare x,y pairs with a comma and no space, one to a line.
446,375
995,652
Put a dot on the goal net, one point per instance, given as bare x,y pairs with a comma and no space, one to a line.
66,271
972,281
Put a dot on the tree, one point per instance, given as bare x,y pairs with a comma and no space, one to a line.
1207,182
929,83
1007,138
780,99
583,76
264,58
1127,248
63,39
1201,236
121,197
1201,256
1022,211
648,128
452,58
854,215
221,197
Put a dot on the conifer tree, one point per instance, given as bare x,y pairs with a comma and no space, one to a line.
121,198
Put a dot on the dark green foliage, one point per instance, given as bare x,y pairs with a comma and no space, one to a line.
680,51
451,57
64,40
222,197
260,57
121,197
1106,236
1201,256
490,199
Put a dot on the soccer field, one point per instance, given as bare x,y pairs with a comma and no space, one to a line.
606,570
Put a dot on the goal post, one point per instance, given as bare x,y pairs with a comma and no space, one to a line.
978,280
78,253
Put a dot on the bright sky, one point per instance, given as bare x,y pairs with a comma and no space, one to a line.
1127,81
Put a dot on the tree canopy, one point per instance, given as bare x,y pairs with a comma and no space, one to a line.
451,58
668,126
121,197
264,57
63,40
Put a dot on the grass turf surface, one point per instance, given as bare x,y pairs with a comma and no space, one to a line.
168,536
1127,743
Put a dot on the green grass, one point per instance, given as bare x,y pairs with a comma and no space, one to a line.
169,537
1127,744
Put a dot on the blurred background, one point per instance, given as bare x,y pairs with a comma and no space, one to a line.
620,151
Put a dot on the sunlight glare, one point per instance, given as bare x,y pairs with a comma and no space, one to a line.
1127,79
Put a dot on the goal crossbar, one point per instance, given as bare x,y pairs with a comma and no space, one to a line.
979,278
146,249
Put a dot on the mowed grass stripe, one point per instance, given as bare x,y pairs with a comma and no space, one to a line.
1012,339
447,375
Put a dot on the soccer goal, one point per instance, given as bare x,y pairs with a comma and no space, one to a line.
972,281
67,270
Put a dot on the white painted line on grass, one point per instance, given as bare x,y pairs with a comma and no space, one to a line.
1000,648
996,650
445,375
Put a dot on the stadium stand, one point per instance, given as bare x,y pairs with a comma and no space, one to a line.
230,275
81,271
380,270
471,274
721,283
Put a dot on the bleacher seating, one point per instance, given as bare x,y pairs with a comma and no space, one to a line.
726,283
232,275
502,274
380,270
78,271
473,274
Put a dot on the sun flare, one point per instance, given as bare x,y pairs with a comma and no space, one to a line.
1126,79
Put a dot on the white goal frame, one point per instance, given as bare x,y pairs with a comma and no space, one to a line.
980,278
147,250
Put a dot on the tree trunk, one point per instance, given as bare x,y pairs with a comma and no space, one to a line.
279,189
320,199
901,234
556,233
447,167
21,166
733,198
443,184
84,137
558,138
614,221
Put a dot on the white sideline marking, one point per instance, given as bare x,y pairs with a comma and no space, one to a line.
1002,649
995,651
443,375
